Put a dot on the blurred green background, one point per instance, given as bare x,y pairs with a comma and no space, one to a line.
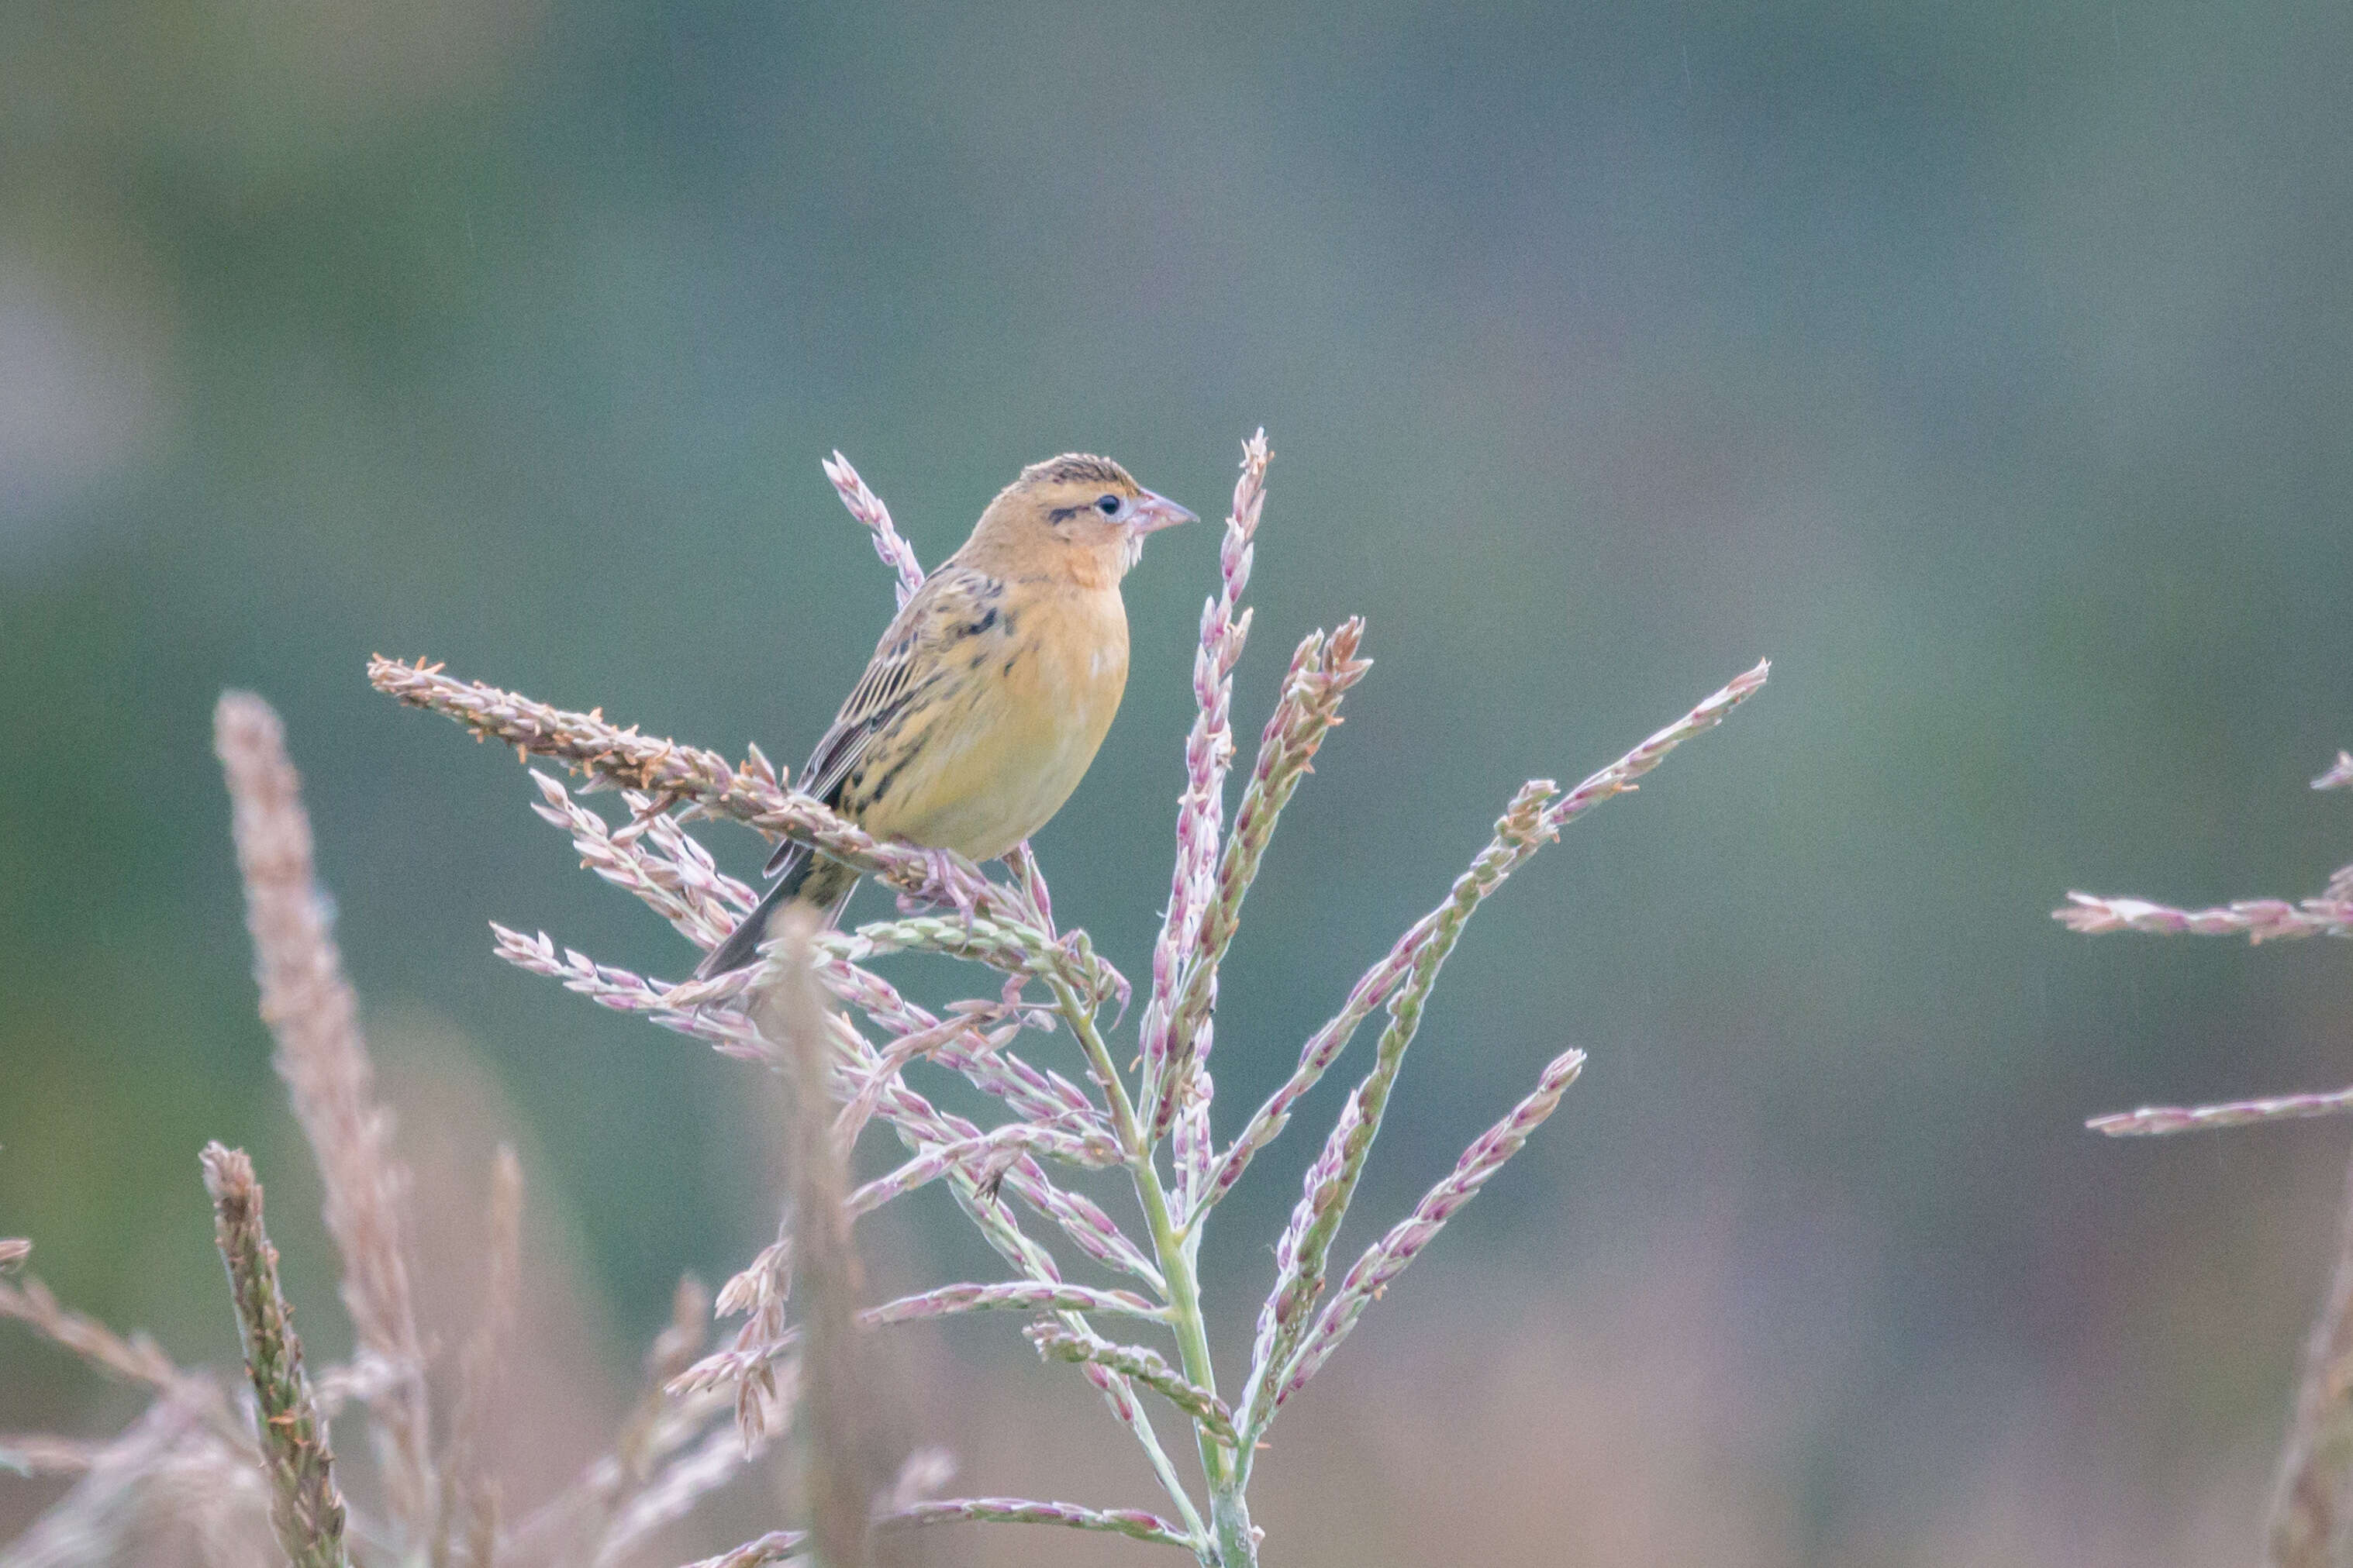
1984,365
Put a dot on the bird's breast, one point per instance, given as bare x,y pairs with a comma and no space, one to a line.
1023,717
1076,660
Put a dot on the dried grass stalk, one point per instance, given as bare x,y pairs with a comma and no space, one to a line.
660,865
189,1434
312,1013
138,1360
2312,1506
96,1520
46,1454
1331,1182
1418,948
306,1506
834,1387
1534,817
469,1494
710,1464
216,1500
1019,1296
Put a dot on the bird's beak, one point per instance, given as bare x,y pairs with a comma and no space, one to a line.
1155,513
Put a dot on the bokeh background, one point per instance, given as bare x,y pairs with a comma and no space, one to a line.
1985,365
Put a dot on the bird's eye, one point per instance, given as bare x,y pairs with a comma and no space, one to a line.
1108,506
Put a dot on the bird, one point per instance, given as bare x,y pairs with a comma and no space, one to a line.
990,692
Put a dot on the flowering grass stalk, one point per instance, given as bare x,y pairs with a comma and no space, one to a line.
470,1497
2154,1121
1153,1127
1321,669
219,1472
850,1054
1168,1055
306,1506
168,1456
312,1013
1386,1258
793,1023
1139,1366
2312,1501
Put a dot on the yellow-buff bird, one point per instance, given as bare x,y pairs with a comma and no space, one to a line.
989,693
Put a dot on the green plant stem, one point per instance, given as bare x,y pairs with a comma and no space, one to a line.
1230,1516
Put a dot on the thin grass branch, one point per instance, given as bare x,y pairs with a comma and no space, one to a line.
1137,1365
777,1546
1133,1523
1382,1262
2157,1120
2257,920
868,509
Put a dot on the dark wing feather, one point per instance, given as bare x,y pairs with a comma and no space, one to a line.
903,663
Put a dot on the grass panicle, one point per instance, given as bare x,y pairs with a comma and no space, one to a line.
315,1017
306,1506
1100,1120
1169,1059
868,509
469,1493
1049,1138
793,1018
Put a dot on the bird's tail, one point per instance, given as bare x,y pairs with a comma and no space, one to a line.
743,944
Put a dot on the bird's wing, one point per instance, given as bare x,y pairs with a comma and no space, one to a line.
904,662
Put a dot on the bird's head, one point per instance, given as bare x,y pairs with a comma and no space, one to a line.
1076,515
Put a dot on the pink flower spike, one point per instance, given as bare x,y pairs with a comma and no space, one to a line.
867,508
